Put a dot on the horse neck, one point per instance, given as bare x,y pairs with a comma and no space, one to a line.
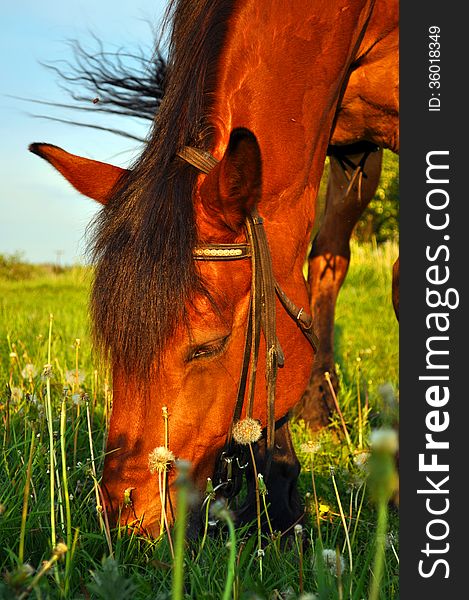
280,75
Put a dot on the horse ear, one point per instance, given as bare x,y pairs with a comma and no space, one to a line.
90,177
236,182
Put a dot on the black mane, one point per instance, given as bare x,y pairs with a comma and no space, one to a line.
143,240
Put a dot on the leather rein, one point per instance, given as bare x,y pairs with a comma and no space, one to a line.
261,319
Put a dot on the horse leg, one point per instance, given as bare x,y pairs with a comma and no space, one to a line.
285,508
328,265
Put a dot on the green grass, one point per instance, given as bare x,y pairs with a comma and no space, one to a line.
366,345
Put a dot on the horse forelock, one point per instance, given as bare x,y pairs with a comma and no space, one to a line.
142,242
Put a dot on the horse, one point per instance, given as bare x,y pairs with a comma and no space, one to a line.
200,247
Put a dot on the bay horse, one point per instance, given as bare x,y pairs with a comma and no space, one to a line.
230,174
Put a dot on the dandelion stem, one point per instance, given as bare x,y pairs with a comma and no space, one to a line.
58,552
24,513
357,520
93,466
378,564
316,504
209,496
344,524
51,439
339,412
223,513
165,475
299,545
63,421
164,517
360,416
180,534
258,509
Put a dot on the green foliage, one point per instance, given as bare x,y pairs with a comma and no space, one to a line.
13,267
108,582
380,220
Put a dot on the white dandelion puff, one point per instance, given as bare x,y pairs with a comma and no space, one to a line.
160,460
247,431
384,440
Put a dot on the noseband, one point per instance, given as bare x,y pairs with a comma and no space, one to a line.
261,319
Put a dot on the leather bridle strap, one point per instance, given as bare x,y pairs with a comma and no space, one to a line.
262,317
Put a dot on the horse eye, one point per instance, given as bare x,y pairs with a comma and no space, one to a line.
208,350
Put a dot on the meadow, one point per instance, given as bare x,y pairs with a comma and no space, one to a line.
55,403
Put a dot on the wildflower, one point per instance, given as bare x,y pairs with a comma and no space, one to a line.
262,487
60,549
384,440
361,459
74,377
333,561
260,553
298,529
247,431
29,371
324,508
160,459
77,399
210,490
46,372
310,447
16,394
128,496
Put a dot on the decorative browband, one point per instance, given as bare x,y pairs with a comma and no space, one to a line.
221,251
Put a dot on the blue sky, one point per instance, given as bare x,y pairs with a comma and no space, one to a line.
40,213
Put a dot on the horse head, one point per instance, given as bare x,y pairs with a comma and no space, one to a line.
185,402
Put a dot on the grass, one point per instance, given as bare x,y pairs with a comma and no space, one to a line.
349,512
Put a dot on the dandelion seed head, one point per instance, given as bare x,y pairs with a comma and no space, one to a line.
160,460
29,371
73,377
332,561
47,372
247,431
77,399
360,459
16,394
310,447
384,440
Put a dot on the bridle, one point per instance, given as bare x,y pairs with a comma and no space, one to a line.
261,319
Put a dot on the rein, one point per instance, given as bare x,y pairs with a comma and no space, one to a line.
261,319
